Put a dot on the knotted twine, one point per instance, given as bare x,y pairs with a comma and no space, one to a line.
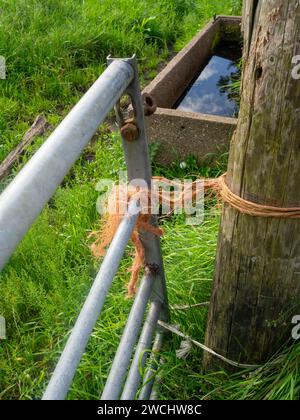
216,186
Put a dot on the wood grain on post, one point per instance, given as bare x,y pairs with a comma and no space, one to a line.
256,287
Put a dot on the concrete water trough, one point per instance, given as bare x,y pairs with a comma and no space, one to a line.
177,130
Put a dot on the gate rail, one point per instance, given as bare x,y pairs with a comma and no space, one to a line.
24,198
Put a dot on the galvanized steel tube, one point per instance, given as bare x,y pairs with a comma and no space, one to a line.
122,358
153,366
134,378
24,198
70,358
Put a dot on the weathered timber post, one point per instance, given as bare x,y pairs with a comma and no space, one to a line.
257,275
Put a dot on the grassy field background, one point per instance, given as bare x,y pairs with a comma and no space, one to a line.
54,51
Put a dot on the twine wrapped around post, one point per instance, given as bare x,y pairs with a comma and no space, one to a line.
216,186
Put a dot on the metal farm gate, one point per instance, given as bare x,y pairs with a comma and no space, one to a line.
24,198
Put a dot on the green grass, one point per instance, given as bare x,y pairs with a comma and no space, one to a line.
278,379
50,274
54,51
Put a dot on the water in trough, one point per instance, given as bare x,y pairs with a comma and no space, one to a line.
211,91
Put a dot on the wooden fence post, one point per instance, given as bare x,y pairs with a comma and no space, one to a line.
256,287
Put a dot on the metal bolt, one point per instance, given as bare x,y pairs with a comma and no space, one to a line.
129,131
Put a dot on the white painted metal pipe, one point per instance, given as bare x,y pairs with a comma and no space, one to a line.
24,198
